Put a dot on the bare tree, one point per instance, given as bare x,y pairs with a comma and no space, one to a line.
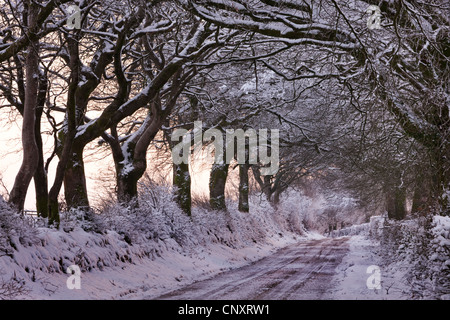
30,149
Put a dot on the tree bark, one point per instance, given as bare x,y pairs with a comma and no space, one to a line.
68,135
243,188
217,181
41,189
131,165
135,162
126,176
182,181
30,149
396,204
400,203
75,190
421,196
263,182
276,197
40,176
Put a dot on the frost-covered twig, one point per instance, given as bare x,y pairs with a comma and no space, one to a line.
12,288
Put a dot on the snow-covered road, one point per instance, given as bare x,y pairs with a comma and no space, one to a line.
302,271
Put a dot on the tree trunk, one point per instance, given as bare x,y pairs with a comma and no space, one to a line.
134,163
400,203
75,190
68,133
441,183
40,176
421,196
390,205
263,182
41,183
243,188
181,178
126,188
396,204
276,197
182,181
127,181
128,171
217,181
30,149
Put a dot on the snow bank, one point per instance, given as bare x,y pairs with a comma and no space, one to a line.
419,249
129,252
413,257
440,255
355,270
14,230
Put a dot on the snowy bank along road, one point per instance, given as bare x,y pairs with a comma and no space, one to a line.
298,272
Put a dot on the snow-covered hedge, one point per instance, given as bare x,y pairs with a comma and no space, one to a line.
158,218
122,235
440,255
351,231
422,245
372,228
14,230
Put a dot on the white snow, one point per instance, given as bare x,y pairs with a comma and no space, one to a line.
144,278
170,250
412,266
82,129
129,254
351,275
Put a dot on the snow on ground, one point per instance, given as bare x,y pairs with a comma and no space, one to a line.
147,277
354,272
409,259
129,254
138,255
151,277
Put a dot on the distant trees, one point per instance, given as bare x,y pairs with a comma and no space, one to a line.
405,62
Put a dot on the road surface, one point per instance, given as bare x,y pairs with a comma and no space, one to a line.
301,271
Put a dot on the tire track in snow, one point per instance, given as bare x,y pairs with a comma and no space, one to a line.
301,271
